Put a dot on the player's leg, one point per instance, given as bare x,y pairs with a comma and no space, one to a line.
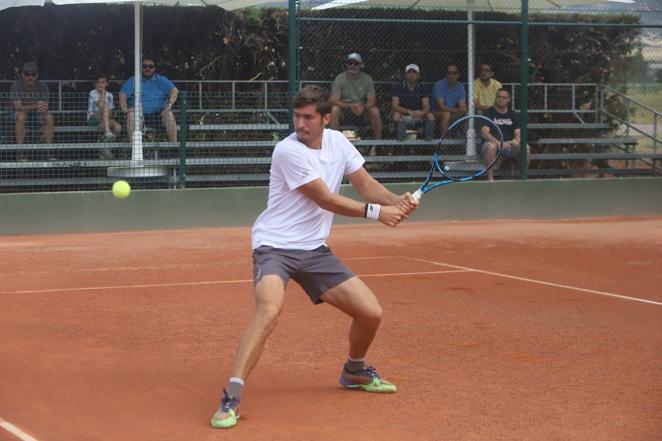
48,126
375,122
130,125
489,153
355,299
445,122
269,300
336,116
115,127
168,119
21,118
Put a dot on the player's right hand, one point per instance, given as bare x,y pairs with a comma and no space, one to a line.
391,215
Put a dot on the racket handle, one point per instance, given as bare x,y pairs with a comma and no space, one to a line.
417,194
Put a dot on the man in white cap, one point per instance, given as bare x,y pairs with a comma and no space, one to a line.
353,96
410,104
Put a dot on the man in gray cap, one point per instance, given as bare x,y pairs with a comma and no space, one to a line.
30,99
353,96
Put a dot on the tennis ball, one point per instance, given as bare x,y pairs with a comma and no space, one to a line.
121,189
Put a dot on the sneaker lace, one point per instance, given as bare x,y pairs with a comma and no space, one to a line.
228,403
372,372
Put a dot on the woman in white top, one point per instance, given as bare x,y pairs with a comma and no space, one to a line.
100,106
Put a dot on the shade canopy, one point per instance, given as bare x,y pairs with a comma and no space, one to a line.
229,5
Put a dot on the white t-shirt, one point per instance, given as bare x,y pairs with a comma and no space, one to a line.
92,107
292,220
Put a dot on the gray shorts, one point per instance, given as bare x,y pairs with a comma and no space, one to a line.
316,270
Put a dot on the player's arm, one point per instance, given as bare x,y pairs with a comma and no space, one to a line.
370,101
20,107
330,201
395,106
124,106
374,192
487,134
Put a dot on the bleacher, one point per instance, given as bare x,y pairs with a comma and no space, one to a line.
223,145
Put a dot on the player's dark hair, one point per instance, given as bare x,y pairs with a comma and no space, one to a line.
317,95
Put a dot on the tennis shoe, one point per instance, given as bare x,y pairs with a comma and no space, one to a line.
226,416
367,380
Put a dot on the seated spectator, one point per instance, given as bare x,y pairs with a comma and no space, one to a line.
158,96
485,88
100,105
448,98
410,104
508,122
29,97
353,97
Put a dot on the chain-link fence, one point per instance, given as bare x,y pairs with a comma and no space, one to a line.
225,133
593,80
584,74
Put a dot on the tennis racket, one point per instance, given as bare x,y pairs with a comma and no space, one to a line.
456,156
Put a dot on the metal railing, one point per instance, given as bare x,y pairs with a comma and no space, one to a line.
646,127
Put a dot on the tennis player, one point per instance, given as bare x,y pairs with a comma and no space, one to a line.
289,241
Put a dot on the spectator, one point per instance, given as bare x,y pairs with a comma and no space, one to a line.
158,96
410,104
449,98
353,96
485,88
30,100
508,122
100,105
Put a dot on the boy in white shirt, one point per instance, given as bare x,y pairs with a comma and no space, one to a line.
100,105
289,241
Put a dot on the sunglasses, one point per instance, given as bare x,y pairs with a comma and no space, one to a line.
353,63
148,66
30,74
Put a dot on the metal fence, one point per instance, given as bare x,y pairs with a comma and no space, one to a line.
589,99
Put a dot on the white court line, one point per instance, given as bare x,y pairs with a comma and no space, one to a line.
540,282
211,282
18,433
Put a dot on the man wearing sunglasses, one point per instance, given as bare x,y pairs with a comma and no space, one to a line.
353,97
158,97
30,99
449,98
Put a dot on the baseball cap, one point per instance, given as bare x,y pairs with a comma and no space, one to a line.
412,67
355,57
30,66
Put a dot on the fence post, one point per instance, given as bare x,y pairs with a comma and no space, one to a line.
183,133
292,56
524,92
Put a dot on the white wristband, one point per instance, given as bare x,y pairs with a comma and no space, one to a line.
372,211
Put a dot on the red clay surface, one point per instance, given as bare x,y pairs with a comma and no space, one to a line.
131,336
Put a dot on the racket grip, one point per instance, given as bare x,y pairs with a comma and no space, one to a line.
417,194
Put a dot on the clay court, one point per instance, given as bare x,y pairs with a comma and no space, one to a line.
503,330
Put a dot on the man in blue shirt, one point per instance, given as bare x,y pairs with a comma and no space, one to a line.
158,96
448,98
410,104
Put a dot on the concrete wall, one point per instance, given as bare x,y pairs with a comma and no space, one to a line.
37,213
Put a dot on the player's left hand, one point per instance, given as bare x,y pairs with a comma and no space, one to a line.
407,203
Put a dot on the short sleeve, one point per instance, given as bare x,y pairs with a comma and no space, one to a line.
90,103
515,117
370,86
338,83
353,160
166,84
127,87
293,165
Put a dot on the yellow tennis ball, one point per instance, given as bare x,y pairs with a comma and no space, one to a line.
121,189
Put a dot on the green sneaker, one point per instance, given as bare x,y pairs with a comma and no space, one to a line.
367,380
226,416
